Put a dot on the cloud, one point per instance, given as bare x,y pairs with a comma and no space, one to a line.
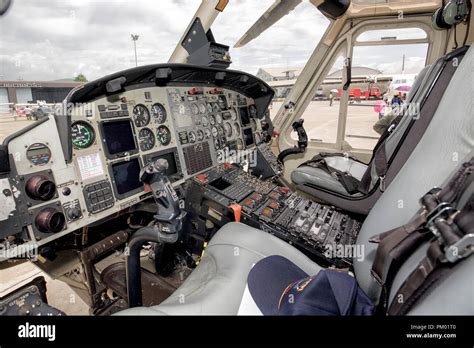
57,39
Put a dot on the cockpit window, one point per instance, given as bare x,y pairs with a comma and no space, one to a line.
392,34
282,50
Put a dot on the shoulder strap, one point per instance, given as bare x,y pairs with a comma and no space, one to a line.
395,246
429,104
454,243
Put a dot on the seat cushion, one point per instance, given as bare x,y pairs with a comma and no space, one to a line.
217,285
318,177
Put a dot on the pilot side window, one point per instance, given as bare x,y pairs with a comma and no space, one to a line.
384,66
322,114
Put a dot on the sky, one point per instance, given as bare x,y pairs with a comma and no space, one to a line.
59,39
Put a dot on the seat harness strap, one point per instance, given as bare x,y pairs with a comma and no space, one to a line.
349,183
396,245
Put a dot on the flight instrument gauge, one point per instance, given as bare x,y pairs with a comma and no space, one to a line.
222,101
164,135
216,107
228,130
38,154
233,115
195,109
141,116
146,139
215,132
207,133
205,121
202,108
209,108
192,137
212,120
220,130
200,135
236,128
219,118
159,113
82,135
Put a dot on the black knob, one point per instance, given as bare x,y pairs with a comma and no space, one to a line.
40,188
73,213
50,220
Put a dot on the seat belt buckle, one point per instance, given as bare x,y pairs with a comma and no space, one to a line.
382,184
442,211
461,249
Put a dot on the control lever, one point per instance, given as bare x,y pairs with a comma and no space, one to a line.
169,218
302,141
169,214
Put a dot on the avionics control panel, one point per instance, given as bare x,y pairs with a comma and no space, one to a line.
112,135
210,122
316,229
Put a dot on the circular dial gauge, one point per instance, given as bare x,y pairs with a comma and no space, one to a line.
202,108
192,137
146,139
233,115
209,107
219,118
222,102
217,145
195,109
212,120
207,133
236,128
215,132
253,111
205,121
220,130
82,135
228,130
164,135
200,135
141,115
38,154
215,107
159,112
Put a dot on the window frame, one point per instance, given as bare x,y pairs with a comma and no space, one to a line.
436,41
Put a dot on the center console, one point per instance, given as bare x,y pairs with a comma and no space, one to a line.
228,193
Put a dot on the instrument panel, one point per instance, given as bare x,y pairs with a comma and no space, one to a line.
113,137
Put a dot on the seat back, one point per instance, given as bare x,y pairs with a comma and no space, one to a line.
429,89
397,147
446,144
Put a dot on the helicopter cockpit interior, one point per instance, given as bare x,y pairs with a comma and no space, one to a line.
153,188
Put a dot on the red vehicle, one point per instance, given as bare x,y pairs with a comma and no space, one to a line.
358,93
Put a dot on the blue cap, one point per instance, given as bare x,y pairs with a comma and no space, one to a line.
279,287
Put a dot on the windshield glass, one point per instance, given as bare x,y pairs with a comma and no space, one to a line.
285,47
49,40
